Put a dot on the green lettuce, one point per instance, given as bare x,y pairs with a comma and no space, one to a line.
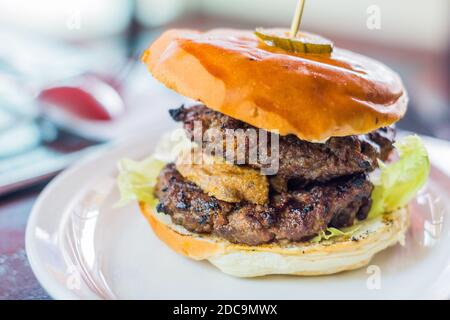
137,179
331,232
399,182
396,184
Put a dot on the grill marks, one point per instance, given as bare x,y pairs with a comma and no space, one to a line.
317,186
293,216
300,162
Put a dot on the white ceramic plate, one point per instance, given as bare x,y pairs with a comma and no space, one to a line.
82,247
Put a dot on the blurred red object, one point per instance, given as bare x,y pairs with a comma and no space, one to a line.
86,97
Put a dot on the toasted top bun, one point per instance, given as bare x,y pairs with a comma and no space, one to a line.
311,96
306,258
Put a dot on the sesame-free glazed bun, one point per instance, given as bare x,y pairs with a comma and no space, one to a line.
306,258
312,96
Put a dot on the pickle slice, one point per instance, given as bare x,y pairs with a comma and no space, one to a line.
303,43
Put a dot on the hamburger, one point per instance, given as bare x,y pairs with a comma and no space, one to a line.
289,163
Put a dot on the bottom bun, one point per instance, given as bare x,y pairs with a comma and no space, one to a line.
302,258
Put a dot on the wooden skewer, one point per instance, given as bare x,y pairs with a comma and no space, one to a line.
296,20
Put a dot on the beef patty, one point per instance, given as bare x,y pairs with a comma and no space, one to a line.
300,162
295,216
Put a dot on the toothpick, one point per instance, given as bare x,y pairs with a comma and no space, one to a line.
296,20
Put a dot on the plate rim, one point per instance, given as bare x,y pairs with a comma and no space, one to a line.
54,289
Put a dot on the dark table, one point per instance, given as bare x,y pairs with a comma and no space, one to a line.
17,281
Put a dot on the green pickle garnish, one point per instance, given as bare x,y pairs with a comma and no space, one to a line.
302,43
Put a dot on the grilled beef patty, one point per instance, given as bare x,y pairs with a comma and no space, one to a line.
294,216
300,162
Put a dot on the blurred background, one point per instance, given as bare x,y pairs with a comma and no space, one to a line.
71,81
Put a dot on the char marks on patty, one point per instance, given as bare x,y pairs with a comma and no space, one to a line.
293,216
300,162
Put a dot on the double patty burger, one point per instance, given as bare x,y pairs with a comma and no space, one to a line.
332,117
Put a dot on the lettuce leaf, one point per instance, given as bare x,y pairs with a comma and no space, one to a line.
137,179
396,184
399,182
333,232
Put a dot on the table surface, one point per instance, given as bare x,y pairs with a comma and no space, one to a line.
17,281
